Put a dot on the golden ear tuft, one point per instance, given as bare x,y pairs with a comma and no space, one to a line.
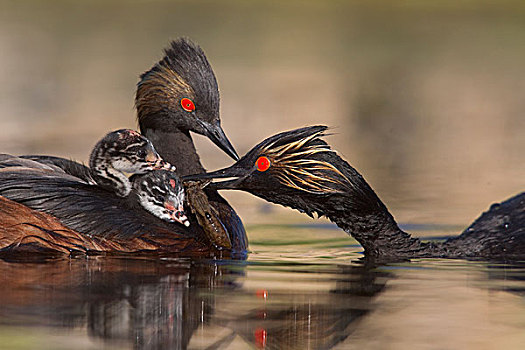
297,169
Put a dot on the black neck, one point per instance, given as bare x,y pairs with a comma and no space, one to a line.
177,148
380,235
359,211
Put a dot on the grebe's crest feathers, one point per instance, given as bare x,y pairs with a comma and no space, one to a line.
183,72
297,162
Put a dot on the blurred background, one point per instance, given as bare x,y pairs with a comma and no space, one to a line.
426,99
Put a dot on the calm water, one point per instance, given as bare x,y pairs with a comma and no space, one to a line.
426,101
301,288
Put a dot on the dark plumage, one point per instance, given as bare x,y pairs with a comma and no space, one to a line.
183,71
304,173
94,210
69,166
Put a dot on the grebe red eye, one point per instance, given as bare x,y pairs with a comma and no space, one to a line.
187,104
262,163
172,183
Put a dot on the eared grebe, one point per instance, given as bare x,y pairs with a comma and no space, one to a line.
298,169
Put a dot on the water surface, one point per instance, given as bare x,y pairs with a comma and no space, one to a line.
301,288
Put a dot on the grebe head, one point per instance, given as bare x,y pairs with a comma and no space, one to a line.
120,153
297,169
161,193
181,92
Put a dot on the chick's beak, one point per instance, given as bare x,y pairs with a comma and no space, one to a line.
180,217
157,163
177,214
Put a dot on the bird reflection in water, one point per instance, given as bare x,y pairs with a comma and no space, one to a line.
313,320
160,304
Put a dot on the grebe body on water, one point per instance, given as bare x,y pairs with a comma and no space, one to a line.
177,96
109,205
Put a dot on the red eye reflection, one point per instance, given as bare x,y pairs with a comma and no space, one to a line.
187,104
262,163
261,336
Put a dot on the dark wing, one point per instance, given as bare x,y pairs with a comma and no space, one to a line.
9,161
85,208
67,165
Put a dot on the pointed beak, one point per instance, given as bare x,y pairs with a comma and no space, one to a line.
163,165
157,163
179,216
215,133
235,174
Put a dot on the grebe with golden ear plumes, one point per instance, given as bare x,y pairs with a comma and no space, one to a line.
298,169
